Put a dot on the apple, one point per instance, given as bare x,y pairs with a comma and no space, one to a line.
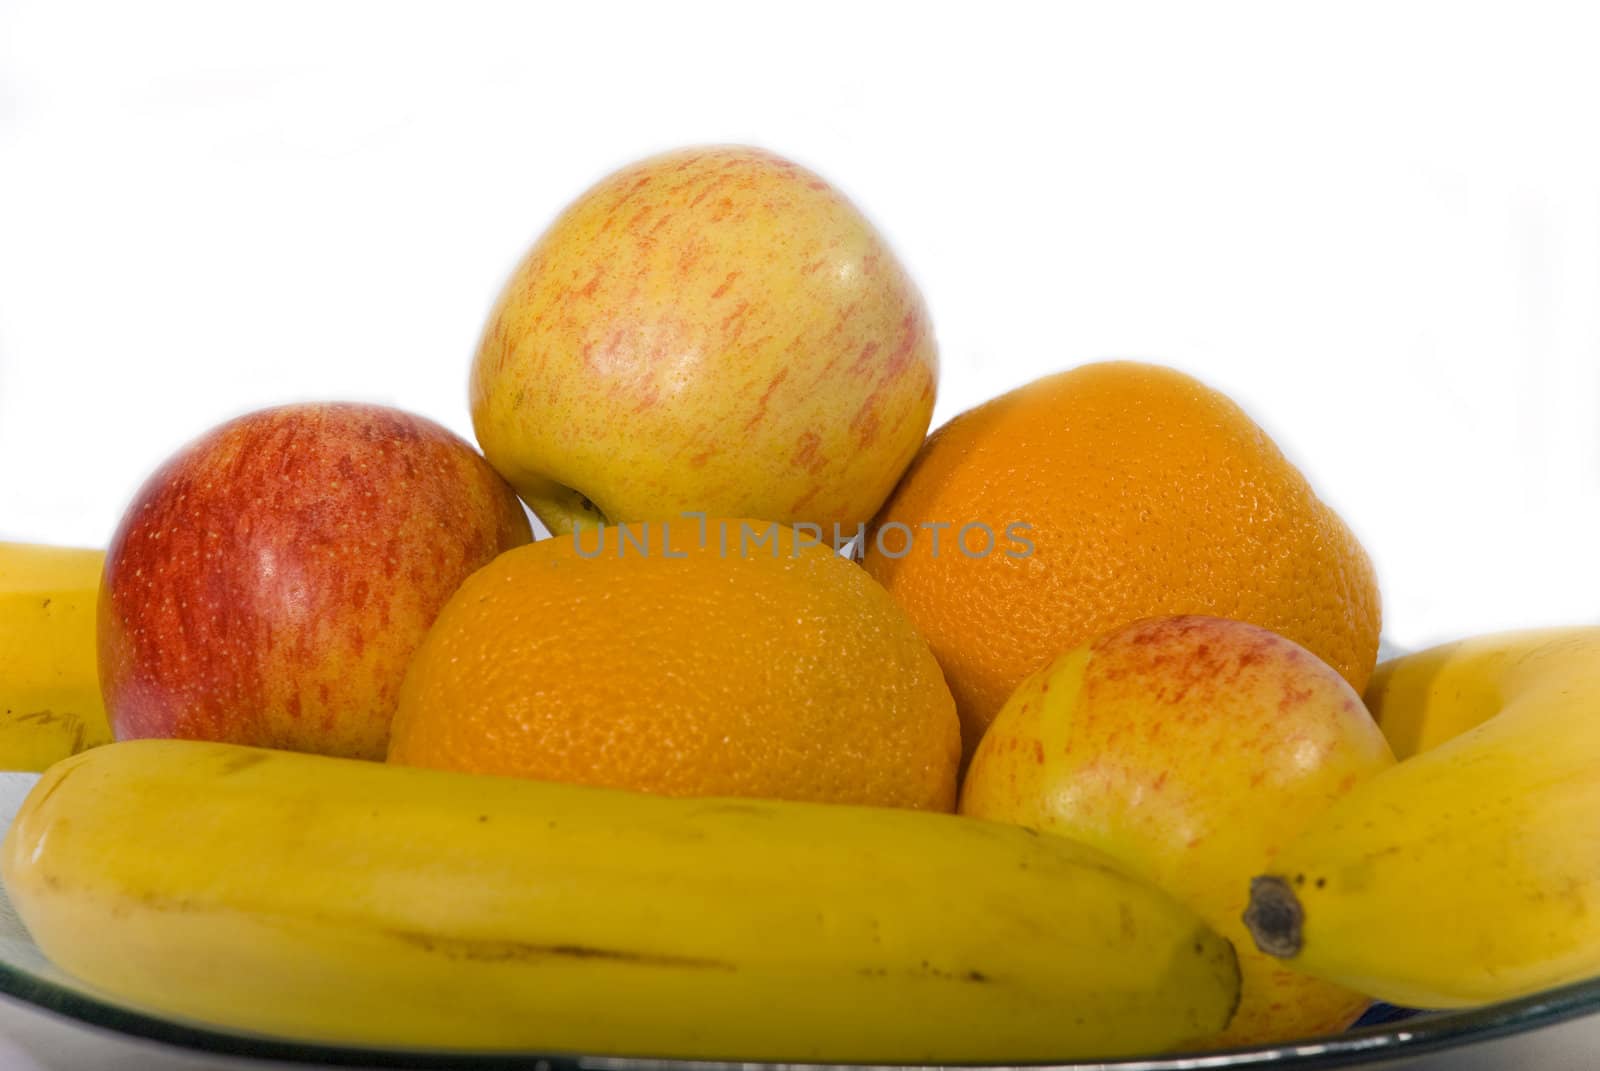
269,583
715,330
1192,749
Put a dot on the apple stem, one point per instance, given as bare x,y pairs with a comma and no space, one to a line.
1275,918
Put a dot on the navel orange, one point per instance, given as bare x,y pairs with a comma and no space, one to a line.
1106,494
684,661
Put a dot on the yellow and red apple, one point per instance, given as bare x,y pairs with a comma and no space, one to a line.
714,330
269,583
1192,749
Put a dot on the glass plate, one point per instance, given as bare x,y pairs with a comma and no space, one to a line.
27,976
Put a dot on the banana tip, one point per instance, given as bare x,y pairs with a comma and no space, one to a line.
1274,917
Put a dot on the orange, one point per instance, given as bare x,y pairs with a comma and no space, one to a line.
771,669
1144,493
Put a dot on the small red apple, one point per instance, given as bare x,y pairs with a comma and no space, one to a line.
270,582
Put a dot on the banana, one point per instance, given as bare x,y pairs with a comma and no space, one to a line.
354,902
1469,873
1421,700
50,704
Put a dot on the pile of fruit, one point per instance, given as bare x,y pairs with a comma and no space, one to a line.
677,780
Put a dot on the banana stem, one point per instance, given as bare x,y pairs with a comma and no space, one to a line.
1274,917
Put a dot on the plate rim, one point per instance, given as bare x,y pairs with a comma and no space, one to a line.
1429,1033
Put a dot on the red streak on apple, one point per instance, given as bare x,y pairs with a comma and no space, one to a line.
269,583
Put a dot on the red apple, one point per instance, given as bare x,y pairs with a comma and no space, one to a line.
270,582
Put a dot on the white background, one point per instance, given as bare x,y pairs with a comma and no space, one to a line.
1377,227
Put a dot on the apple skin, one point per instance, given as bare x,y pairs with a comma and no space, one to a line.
715,330
269,583
1192,749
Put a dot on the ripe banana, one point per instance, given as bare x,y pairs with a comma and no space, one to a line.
50,704
1469,873
1421,700
355,902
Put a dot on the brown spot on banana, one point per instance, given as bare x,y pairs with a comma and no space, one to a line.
752,810
486,950
1275,918
237,763
48,717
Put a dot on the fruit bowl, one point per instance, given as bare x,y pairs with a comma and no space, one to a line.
26,976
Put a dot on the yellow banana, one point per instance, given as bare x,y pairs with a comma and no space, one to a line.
1469,873
355,902
1421,700
50,704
